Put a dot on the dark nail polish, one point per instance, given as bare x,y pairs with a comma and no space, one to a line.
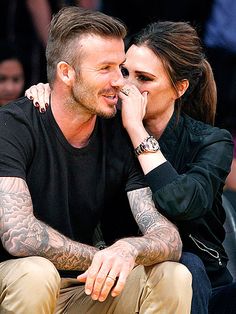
43,110
36,104
46,105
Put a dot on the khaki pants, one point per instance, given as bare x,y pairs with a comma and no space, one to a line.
32,285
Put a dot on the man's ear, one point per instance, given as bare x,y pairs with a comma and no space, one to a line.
182,86
65,72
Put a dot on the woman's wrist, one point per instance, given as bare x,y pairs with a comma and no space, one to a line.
137,134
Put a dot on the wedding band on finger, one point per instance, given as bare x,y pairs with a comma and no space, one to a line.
125,91
111,278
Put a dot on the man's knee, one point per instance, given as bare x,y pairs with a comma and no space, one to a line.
38,270
171,273
33,281
168,288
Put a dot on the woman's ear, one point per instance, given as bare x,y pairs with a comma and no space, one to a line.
65,72
182,86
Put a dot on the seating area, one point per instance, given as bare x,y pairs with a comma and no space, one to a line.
230,238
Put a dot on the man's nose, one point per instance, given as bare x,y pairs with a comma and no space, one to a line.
118,79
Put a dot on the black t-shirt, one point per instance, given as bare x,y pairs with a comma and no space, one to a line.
72,189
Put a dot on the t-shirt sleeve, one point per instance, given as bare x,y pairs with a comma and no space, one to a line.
16,142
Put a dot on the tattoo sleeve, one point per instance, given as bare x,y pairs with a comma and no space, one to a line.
24,235
161,240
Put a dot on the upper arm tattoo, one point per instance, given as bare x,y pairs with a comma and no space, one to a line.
24,235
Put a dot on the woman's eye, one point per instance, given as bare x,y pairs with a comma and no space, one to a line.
124,72
143,78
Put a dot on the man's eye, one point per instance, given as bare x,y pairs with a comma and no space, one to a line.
107,67
124,72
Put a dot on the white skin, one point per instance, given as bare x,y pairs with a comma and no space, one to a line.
150,84
78,95
11,80
89,90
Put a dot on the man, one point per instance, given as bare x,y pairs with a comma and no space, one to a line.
63,172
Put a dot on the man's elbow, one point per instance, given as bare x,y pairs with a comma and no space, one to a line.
177,247
13,246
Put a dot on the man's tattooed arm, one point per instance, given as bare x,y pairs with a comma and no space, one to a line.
161,240
24,235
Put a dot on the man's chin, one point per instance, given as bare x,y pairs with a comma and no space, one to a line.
107,115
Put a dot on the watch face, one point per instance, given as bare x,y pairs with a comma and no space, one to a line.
151,144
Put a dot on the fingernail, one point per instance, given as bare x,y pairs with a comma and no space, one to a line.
36,104
87,291
101,299
42,110
95,297
31,98
46,105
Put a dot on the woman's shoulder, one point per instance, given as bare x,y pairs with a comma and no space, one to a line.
203,130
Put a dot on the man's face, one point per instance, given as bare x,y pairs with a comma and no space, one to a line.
11,81
98,77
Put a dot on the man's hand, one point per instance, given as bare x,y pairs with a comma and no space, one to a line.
109,270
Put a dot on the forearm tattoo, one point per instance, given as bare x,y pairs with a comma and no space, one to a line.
24,235
160,240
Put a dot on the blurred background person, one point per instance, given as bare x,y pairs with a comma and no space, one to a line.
12,79
24,23
220,42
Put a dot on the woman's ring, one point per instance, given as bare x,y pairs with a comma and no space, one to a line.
125,91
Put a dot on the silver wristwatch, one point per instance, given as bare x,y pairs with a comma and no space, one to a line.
149,145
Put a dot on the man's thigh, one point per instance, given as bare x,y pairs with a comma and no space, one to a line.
72,297
147,290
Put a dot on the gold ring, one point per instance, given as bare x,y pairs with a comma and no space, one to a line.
125,91
111,277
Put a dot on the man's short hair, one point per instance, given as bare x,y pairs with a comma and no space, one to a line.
69,24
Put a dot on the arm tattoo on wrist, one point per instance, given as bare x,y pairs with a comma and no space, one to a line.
24,235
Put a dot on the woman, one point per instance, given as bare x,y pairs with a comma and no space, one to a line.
168,107
12,78
188,171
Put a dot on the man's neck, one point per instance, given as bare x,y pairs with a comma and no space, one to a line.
76,125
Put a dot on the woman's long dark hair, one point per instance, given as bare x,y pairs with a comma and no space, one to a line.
179,47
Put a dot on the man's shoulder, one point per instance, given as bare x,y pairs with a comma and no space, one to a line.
19,111
21,106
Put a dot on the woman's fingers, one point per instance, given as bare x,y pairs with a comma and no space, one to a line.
40,95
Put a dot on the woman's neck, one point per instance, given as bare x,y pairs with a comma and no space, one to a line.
156,124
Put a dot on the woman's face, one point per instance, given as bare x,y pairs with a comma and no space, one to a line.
11,81
145,70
